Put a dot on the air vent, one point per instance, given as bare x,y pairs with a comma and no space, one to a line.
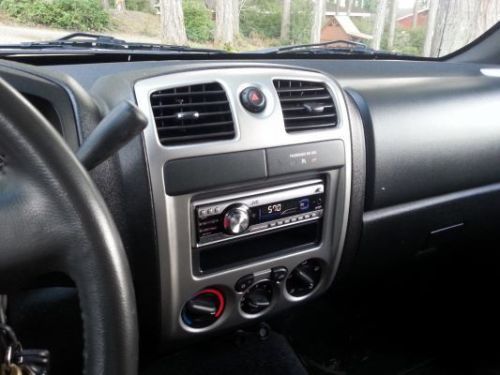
306,105
191,114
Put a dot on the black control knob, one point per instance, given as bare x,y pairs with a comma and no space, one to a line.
304,278
237,219
258,298
203,309
253,99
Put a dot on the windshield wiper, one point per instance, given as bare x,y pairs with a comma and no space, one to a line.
345,47
86,41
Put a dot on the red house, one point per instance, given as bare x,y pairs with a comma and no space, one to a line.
341,27
406,21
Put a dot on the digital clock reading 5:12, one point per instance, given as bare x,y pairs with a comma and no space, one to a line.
274,208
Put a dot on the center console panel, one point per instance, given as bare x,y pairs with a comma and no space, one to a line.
251,219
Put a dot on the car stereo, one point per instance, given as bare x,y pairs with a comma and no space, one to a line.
225,218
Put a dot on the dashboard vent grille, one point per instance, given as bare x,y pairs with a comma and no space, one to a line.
192,114
306,105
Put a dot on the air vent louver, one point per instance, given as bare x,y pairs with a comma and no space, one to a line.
306,105
192,114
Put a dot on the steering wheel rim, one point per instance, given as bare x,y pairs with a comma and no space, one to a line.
53,219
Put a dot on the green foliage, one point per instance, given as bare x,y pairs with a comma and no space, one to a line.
301,22
82,15
261,18
371,5
198,21
408,42
364,24
139,5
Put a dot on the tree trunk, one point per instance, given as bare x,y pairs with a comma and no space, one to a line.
349,7
431,27
378,30
236,17
172,21
392,25
224,24
414,21
210,4
285,20
105,4
460,22
120,5
318,13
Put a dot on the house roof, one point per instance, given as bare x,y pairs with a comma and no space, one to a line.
350,28
408,15
352,14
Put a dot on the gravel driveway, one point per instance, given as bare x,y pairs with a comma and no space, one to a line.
10,34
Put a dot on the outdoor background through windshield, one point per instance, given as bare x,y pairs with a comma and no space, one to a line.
415,27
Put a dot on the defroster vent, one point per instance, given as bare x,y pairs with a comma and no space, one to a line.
306,105
192,114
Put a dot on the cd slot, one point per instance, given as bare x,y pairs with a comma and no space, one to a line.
279,242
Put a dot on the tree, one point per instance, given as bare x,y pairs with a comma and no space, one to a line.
318,13
285,20
210,4
378,29
120,5
172,22
414,21
224,23
105,4
431,27
236,17
392,24
459,22
349,7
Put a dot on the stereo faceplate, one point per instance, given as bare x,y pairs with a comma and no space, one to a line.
226,218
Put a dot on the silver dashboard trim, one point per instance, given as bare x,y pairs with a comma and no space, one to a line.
172,213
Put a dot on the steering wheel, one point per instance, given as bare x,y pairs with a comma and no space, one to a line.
53,219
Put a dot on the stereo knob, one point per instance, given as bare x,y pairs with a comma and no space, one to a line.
237,219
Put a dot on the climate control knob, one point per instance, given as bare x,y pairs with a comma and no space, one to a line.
304,278
257,298
204,308
237,219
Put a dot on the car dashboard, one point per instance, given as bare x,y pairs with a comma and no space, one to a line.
257,185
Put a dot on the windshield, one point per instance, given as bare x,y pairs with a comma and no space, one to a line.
431,28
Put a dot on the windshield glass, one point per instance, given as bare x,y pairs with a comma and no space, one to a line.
412,27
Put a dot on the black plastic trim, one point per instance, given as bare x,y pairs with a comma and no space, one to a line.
194,174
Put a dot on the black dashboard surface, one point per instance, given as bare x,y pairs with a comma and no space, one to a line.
431,127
